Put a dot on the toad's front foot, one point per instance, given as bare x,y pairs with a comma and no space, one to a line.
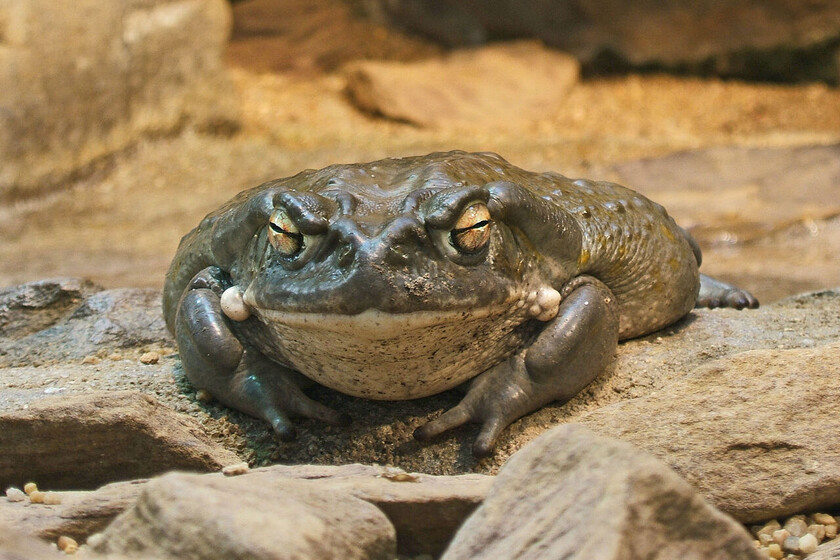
573,348
238,375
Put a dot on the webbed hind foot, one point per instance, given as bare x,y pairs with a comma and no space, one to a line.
714,293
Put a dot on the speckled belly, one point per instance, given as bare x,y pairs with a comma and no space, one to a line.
386,356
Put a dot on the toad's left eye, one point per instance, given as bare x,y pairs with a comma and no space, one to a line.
471,233
283,234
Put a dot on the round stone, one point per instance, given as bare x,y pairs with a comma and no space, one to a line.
808,543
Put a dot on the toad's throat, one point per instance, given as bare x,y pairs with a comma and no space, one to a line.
395,356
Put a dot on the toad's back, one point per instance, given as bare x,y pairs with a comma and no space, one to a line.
632,245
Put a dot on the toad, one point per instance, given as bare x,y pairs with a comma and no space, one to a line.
406,277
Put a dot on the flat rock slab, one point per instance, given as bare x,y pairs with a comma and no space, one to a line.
572,494
78,514
512,82
84,441
183,516
755,432
424,510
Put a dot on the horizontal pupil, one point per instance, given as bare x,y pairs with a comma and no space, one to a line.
278,229
476,225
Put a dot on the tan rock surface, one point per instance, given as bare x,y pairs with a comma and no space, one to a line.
754,432
15,545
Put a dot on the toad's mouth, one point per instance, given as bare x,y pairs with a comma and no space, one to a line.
394,356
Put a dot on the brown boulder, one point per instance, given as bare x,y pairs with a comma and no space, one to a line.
82,80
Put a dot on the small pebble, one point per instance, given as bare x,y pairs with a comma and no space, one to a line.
30,487
767,528
808,543
824,519
90,360
150,358
203,395
817,530
796,526
831,530
235,470
775,551
765,539
52,498
96,540
780,536
791,544
36,497
15,494
67,545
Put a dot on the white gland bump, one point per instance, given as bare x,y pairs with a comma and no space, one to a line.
546,304
233,306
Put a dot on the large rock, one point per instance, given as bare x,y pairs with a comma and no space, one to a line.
755,432
497,84
776,39
827,551
572,494
70,319
193,517
84,441
82,80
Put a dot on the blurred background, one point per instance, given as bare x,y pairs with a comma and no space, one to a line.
123,123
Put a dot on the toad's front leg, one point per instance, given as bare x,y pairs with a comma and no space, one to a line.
237,374
572,349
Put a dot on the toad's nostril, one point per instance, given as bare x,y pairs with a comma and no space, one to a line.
346,254
397,255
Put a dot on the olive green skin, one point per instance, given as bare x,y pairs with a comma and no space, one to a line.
571,267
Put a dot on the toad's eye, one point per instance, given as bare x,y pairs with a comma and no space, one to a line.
283,234
471,233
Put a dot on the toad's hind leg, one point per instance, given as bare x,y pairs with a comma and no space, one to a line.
237,374
714,293
568,354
